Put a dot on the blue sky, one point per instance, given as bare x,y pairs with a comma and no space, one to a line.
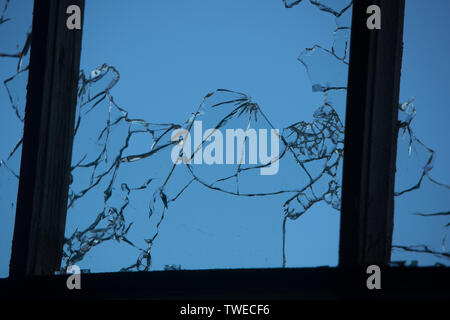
12,37
171,53
425,73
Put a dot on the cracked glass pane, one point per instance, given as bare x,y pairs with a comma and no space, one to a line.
423,180
15,31
209,134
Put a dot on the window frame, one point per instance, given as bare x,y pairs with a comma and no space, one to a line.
367,191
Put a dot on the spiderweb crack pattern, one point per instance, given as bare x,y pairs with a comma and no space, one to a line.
98,163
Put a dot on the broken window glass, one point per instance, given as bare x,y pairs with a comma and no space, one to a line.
15,41
162,178
422,183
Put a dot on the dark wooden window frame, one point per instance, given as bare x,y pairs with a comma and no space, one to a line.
367,199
